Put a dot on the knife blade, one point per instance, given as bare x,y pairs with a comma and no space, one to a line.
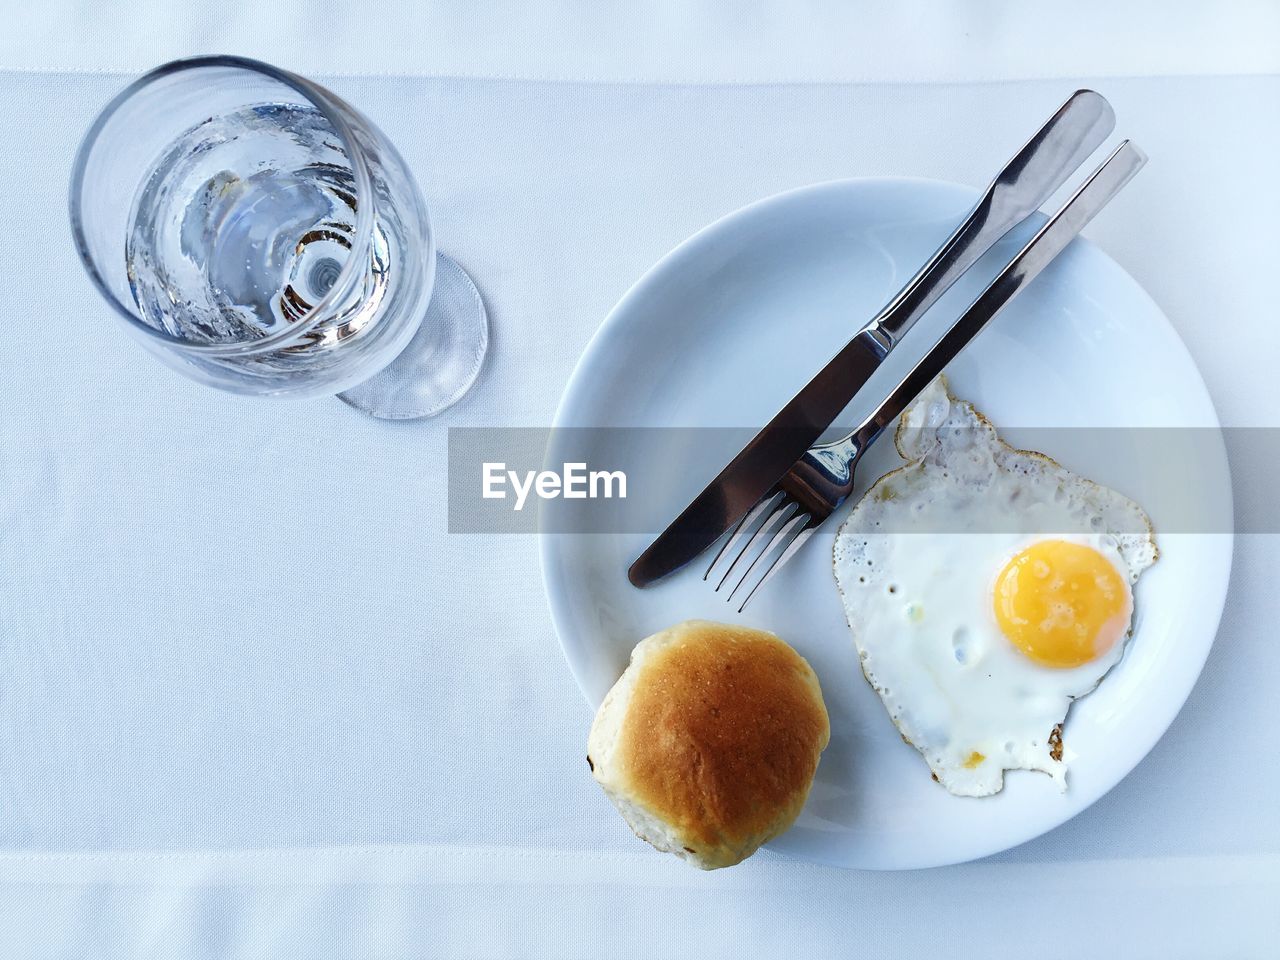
1057,149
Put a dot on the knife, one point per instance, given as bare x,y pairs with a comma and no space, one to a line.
820,481
1059,147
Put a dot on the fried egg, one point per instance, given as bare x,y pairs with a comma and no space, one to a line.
986,588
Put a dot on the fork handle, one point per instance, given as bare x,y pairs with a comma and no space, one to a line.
1027,181
824,475
1049,241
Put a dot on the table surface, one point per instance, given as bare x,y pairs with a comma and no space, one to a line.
256,701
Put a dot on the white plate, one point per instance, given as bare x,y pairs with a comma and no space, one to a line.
729,325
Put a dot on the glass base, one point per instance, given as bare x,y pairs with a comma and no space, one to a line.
442,360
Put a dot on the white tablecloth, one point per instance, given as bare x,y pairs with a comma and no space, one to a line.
256,702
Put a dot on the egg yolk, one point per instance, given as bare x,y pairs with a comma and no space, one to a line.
1062,604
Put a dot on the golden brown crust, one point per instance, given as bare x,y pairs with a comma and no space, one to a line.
723,733
1055,743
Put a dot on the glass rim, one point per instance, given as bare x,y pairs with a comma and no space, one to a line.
317,96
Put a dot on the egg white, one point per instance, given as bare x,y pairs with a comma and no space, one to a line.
916,562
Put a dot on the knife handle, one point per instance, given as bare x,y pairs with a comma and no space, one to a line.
825,473
1027,181
1040,167
1049,241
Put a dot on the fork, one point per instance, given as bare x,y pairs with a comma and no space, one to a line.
822,479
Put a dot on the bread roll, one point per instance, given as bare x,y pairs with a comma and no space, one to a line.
709,741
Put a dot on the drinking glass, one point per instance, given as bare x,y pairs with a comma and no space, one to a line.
260,235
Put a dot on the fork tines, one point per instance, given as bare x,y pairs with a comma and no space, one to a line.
775,527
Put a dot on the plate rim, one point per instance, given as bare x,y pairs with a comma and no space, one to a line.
1223,543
